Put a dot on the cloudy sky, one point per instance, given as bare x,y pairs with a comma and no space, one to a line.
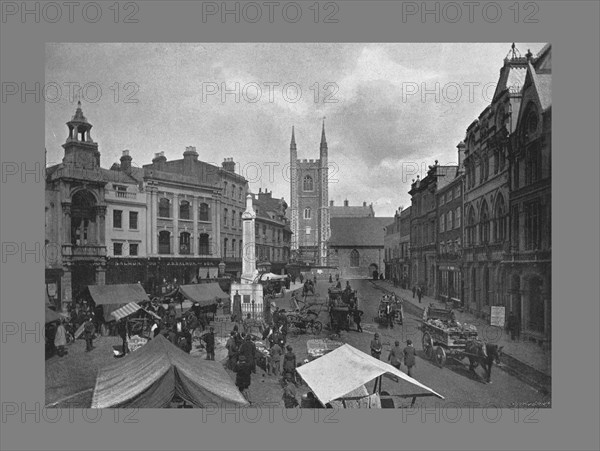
391,109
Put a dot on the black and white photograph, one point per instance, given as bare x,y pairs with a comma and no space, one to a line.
303,225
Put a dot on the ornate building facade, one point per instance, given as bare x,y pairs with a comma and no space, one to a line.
75,216
487,191
528,263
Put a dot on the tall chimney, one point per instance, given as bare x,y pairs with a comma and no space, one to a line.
126,162
346,203
364,204
461,155
159,160
228,165
190,154
331,203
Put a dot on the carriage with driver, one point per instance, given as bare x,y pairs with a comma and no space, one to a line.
445,338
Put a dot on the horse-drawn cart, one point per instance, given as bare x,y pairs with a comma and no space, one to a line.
444,337
341,304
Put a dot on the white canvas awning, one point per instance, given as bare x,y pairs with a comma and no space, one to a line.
346,369
126,310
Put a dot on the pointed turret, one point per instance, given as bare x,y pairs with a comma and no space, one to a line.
79,146
323,141
293,142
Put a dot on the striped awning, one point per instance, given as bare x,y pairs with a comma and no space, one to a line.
126,310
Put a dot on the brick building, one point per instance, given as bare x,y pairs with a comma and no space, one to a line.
423,223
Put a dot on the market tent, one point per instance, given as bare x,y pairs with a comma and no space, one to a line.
346,369
205,294
112,297
52,316
151,376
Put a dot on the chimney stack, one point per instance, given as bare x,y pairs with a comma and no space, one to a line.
159,160
126,162
190,154
364,204
331,203
228,165
346,203
461,155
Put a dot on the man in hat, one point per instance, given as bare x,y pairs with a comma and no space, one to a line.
395,355
410,357
248,350
289,392
60,338
88,333
243,376
232,351
275,357
124,333
289,363
376,347
209,339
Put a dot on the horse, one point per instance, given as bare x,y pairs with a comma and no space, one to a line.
484,354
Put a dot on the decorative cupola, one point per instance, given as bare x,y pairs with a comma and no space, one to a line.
80,149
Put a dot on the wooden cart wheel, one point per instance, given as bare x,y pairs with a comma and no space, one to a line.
440,356
427,345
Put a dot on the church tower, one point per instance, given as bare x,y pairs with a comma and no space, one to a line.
310,204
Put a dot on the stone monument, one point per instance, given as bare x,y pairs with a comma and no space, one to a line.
250,291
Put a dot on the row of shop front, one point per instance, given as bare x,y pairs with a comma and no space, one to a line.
521,287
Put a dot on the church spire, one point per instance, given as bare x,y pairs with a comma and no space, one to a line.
323,141
293,143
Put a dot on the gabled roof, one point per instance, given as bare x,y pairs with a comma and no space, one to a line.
353,232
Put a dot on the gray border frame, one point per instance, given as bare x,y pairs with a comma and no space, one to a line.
572,28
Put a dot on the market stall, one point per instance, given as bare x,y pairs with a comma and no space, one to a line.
338,373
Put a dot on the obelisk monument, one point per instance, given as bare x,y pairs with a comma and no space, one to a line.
250,291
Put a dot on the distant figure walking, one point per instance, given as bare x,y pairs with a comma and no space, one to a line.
419,294
409,357
414,291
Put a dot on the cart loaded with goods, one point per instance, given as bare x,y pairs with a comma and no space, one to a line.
443,336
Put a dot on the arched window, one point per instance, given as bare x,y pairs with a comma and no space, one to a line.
184,243
354,259
233,218
164,242
83,218
484,219
203,246
457,217
233,191
184,210
500,218
225,243
307,213
308,183
225,215
164,208
233,254
203,212
471,227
